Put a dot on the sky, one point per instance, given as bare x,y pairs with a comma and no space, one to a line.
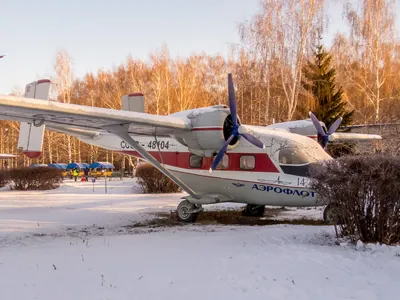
101,34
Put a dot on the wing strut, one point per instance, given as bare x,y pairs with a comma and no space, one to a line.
122,132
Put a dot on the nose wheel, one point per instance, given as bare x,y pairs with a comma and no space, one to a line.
188,212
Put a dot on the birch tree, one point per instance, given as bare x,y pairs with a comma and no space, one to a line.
64,82
187,87
158,84
284,29
372,46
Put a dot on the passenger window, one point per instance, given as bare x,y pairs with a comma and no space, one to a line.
224,163
247,162
195,161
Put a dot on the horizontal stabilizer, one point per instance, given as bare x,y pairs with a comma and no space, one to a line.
7,156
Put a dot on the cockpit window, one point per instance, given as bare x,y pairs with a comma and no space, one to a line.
301,155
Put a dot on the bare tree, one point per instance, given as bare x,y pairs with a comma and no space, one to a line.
284,29
372,46
186,82
158,84
64,83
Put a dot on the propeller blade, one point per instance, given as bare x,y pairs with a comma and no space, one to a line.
220,154
335,126
317,124
252,139
232,99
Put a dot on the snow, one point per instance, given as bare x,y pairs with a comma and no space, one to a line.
75,205
73,243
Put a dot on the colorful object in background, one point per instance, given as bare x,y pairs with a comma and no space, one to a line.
98,167
79,166
61,166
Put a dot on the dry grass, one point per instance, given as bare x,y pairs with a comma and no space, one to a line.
225,217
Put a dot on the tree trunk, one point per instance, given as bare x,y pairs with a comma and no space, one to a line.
69,148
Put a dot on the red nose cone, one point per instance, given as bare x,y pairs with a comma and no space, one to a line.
32,154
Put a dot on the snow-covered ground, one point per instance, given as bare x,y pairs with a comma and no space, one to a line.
73,243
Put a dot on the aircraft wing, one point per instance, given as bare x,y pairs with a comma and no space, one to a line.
87,120
344,136
86,117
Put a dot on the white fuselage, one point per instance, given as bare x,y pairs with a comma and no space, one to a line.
265,184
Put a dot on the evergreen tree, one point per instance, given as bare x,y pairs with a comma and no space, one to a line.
320,80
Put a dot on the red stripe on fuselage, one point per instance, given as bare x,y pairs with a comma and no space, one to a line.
181,160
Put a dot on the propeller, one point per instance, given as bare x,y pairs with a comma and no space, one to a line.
237,129
321,132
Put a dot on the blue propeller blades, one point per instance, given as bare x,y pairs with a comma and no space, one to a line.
237,129
321,132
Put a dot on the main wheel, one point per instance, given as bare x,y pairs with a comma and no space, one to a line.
184,214
332,215
253,210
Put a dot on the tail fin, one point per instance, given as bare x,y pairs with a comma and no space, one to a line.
133,102
30,138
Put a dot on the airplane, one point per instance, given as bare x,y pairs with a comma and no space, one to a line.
207,151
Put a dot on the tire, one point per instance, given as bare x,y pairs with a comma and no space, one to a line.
332,215
182,212
253,210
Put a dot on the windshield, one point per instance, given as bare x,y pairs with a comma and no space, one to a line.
302,155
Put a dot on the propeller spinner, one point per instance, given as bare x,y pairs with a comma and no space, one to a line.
237,129
321,132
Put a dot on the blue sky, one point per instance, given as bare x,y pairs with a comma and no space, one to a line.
100,34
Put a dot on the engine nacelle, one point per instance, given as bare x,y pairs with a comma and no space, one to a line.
212,126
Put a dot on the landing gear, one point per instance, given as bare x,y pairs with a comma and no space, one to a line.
332,215
253,210
187,211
